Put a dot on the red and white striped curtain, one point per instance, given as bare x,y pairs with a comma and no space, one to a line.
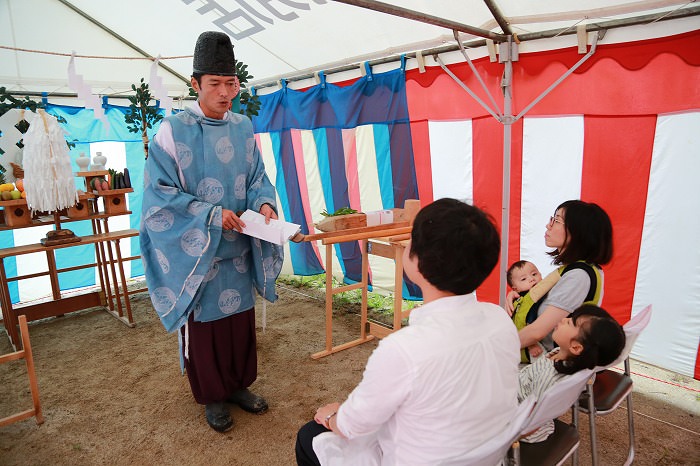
622,131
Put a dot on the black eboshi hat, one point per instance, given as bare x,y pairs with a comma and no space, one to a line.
213,54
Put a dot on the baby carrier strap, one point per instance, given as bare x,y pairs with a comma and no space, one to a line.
592,274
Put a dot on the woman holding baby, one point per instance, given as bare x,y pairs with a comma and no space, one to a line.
581,235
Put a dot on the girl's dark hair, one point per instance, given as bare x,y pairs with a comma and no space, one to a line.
588,234
602,338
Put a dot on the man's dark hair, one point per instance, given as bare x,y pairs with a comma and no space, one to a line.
457,245
517,265
198,77
588,233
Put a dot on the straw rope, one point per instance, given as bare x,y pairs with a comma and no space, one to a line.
103,57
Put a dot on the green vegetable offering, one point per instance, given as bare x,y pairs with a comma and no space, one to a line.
341,211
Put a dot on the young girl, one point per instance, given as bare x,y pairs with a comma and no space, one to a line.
589,337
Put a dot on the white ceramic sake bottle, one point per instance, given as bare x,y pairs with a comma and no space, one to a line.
98,162
83,162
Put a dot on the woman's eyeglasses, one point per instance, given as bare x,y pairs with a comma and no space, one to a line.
553,220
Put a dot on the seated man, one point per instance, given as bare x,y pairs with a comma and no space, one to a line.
435,390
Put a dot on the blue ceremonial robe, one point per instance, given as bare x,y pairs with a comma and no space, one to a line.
191,264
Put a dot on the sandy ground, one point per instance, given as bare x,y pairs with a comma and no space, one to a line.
114,395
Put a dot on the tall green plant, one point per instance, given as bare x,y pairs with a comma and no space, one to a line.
141,116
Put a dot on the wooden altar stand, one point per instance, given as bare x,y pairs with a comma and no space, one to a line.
107,262
362,234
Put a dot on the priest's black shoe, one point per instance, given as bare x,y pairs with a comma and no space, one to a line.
218,417
248,401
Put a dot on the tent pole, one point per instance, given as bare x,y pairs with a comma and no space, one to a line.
394,10
507,120
498,16
476,73
466,88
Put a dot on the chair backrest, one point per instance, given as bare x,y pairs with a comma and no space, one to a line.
495,449
632,330
557,399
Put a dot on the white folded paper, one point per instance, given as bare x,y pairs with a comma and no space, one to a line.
277,231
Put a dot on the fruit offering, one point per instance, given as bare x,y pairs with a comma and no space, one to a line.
12,191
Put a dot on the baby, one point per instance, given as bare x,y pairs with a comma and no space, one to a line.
522,276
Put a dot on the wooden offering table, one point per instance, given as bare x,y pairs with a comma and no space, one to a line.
363,234
385,240
109,262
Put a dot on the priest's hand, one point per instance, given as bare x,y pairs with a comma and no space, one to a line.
231,221
268,212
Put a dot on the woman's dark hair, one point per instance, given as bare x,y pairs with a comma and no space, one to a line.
602,338
588,234
457,245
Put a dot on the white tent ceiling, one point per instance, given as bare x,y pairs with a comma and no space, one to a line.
277,38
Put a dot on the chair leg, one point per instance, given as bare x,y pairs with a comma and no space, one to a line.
591,423
515,449
630,427
574,422
630,420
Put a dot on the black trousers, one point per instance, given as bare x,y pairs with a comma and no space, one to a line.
304,447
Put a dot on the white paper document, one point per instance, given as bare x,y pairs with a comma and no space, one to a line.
277,231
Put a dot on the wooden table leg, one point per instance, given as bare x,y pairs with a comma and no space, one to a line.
365,286
53,275
112,267
329,294
398,285
104,269
29,360
125,291
330,291
99,258
9,318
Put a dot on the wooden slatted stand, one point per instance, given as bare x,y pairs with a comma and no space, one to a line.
26,354
108,264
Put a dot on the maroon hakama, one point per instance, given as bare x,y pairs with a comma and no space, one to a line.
222,356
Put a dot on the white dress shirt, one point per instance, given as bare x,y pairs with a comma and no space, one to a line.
436,389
